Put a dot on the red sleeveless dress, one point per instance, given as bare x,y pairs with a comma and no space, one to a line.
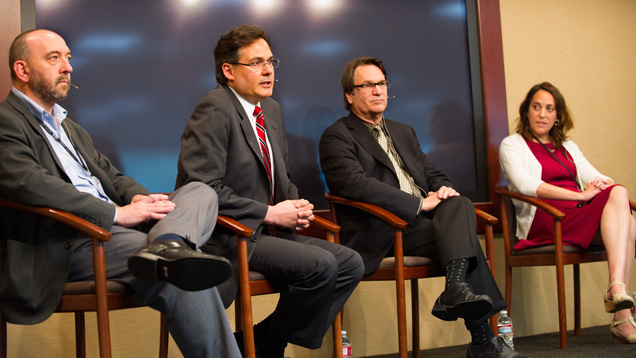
581,223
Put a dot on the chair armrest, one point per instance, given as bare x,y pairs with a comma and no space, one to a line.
551,210
325,224
234,226
385,215
64,217
632,205
485,217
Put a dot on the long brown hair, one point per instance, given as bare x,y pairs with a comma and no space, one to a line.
564,123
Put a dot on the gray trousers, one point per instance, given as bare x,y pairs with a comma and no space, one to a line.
196,320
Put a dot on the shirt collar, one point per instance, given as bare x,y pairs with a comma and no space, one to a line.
247,105
53,119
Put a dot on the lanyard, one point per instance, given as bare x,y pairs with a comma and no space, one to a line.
77,158
558,160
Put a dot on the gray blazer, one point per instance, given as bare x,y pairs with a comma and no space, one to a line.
219,148
357,168
35,253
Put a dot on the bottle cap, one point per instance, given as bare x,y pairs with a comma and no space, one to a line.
503,312
344,332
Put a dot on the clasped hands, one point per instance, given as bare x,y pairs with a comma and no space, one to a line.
291,214
594,187
143,208
435,197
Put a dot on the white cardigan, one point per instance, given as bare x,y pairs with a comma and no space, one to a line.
523,172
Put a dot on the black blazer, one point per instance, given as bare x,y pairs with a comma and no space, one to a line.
35,253
357,168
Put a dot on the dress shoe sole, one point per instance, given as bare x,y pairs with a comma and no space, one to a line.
189,274
467,310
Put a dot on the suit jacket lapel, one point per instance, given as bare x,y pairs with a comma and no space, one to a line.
248,130
363,135
21,107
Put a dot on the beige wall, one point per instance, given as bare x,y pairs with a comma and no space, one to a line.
9,28
586,48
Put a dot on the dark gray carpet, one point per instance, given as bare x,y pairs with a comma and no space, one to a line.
594,342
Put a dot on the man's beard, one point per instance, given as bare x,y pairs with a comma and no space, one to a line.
49,93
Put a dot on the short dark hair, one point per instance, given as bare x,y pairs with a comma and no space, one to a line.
228,48
559,131
18,51
349,71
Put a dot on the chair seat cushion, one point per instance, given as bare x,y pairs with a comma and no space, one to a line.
549,249
256,276
88,287
409,261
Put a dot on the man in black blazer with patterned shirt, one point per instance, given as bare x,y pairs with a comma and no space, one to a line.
220,147
401,179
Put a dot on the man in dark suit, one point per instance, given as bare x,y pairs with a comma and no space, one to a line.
368,158
235,142
48,160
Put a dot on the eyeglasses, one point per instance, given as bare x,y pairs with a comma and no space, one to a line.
370,86
259,65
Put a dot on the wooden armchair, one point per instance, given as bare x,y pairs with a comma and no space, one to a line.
557,255
400,268
253,283
98,296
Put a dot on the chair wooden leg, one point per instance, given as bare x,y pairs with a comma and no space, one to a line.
80,335
163,338
336,328
563,328
246,302
103,325
3,337
401,312
577,299
509,289
415,316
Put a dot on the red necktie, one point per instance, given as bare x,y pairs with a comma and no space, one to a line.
262,141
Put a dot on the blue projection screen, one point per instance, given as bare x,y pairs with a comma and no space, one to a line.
141,66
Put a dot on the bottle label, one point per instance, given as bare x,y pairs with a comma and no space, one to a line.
505,329
346,351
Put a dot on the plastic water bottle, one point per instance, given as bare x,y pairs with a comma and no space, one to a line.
346,345
504,325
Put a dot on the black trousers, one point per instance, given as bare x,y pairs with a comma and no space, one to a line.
449,233
316,278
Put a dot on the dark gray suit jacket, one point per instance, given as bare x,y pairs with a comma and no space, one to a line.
219,148
35,253
357,168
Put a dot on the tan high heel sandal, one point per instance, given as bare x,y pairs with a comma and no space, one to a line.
617,337
619,301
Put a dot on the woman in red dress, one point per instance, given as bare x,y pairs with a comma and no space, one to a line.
541,161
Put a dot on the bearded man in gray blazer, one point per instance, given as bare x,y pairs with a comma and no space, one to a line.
48,160
366,157
229,145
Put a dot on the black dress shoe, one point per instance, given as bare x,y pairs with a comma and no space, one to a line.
494,348
267,345
175,262
459,301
